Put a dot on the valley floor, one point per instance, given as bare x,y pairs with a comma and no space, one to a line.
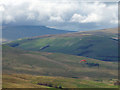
32,81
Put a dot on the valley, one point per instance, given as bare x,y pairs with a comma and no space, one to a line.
54,61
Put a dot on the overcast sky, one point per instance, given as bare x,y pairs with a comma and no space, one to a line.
61,14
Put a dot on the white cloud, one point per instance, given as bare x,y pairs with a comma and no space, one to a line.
96,13
77,18
9,19
91,18
57,19
1,8
85,19
114,21
31,16
58,12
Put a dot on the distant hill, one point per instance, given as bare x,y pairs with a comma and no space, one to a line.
99,44
17,32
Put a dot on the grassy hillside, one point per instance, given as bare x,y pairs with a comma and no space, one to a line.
53,61
56,64
53,83
102,45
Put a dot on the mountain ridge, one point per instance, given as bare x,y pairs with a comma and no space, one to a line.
17,32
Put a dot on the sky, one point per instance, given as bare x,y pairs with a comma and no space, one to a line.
75,15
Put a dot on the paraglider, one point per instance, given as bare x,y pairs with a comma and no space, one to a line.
83,61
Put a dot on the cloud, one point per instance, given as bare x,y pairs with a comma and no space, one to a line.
57,19
9,19
98,13
91,18
77,18
55,13
85,19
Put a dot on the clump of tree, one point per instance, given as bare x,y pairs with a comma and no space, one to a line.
51,85
14,44
117,83
93,64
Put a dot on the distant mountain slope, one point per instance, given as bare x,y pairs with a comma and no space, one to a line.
56,64
17,32
101,44
107,31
